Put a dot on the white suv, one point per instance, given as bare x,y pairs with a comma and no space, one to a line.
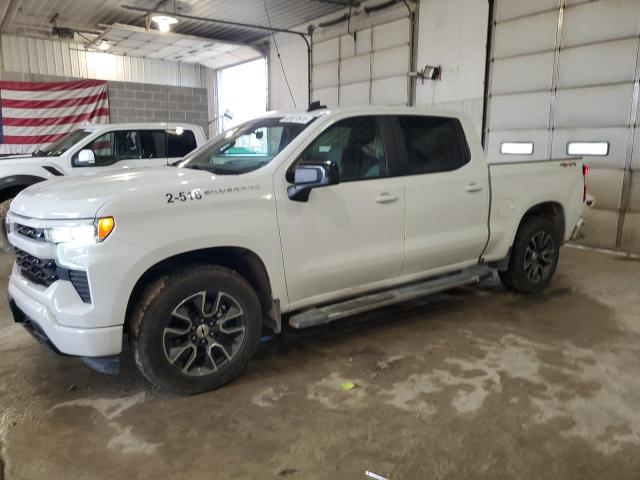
96,148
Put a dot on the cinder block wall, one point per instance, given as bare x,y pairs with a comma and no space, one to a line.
142,102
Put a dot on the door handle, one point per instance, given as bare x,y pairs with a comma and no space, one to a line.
473,187
386,197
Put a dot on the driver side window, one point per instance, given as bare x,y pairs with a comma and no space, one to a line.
113,147
355,145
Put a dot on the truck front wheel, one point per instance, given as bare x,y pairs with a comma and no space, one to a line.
196,329
534,257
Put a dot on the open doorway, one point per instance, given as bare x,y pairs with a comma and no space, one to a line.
242,93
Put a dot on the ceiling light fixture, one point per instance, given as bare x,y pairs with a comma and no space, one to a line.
104,45
164,22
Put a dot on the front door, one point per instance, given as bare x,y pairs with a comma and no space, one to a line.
117,150
348,235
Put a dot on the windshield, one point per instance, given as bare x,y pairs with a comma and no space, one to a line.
248,146
64,144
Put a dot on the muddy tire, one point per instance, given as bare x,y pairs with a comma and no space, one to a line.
5,246
534,257
196,329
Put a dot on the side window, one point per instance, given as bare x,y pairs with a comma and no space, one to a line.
355,145
153,143
180,142
433,144
112,147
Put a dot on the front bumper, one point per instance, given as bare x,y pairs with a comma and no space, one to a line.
38,308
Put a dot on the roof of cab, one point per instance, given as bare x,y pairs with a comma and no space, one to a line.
139,125
368,110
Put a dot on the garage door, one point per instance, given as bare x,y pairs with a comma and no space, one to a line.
366,61
564,81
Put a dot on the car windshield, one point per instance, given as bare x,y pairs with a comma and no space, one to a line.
248,146
64,144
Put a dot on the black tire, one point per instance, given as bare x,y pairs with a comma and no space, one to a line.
534,257
173,304
5,246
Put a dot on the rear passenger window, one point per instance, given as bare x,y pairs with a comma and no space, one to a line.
180,142
355,145
433,144
154,143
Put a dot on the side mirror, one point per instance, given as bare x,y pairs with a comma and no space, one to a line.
86,156
308,176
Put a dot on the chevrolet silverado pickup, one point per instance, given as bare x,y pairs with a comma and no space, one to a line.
287,221
96,148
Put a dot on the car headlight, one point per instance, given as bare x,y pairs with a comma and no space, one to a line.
82,233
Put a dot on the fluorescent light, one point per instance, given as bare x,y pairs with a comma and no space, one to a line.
164,22
104,45
516,148
588,148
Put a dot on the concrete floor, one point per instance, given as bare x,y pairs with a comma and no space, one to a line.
476,383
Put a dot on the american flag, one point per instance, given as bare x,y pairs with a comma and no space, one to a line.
37,114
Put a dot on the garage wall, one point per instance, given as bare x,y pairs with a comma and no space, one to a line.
140,89
293,52
453,34
566,71
69,59
366,62
141,102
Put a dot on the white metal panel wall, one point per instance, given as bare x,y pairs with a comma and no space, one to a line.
560,72
67,59
369,65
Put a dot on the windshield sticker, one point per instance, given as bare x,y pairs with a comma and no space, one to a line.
297,118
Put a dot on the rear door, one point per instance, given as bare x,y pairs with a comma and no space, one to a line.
180,142
351,234
446,194
154,147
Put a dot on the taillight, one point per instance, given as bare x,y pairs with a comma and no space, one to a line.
585,172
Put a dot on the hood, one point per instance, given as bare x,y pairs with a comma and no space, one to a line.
25,159
82,196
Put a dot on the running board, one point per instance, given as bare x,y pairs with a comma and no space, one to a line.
336,311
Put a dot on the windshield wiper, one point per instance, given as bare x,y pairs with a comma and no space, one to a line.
39,153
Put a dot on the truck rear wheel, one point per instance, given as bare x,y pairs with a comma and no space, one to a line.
534,257
196,329
5,246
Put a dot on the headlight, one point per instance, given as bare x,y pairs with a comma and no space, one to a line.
83,233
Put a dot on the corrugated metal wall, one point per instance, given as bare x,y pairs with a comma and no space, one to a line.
67,59
565,71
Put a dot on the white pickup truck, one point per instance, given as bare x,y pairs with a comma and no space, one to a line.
96,148
288,220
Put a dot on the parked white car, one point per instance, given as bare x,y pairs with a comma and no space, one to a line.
298,219
96,148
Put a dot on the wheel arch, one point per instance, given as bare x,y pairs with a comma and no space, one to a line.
551,211
241,260
11,185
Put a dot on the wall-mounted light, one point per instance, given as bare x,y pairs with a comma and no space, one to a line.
104,45
164,22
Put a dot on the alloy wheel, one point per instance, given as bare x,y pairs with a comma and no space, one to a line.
539,257
204,332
